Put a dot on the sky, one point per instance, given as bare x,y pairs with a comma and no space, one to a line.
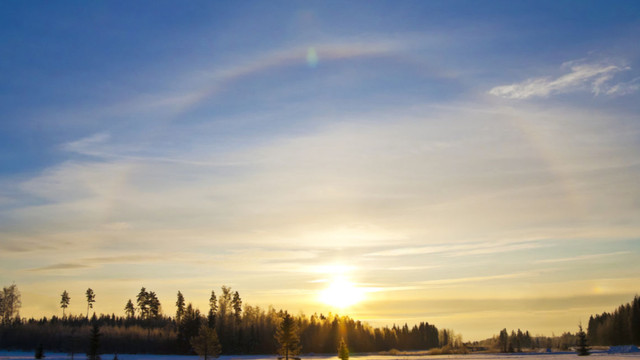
474,165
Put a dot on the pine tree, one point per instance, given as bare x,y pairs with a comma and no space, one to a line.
288,338
64,301
154,305
206,343
143,303
583,348
343,350
91,298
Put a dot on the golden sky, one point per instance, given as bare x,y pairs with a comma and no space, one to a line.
428,163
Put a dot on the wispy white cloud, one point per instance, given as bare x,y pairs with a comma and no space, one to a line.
461,249
101,146
624,88
594,77
411,268
474,279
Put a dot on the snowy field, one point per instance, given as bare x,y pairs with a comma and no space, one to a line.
15,355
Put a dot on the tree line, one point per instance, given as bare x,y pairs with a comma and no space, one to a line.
239,328
518,341
620,327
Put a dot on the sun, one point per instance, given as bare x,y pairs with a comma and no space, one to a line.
341,293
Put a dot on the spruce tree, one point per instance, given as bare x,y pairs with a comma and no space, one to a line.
288,338
179,307
129,309
213,309
583,348
206,343
503,340
343,350
237,307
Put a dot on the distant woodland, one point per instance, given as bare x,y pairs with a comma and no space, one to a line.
243,329
621,327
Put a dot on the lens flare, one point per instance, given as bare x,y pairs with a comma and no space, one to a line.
312,57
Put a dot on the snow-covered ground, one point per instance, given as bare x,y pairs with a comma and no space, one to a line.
18,355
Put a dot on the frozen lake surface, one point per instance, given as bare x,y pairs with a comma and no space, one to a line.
18,355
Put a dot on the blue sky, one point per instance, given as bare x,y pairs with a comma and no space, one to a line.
470,164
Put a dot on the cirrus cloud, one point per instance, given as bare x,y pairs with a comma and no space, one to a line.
594,77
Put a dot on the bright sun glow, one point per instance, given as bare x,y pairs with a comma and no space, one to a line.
341,293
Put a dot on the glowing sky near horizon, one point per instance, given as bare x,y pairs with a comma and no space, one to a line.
474,167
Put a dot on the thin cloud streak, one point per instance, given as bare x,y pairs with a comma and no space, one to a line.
474,279
453,250
581,257
98,145
61,266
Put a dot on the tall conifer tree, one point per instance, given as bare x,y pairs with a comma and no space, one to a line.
179,306
64,301
91,298
288,338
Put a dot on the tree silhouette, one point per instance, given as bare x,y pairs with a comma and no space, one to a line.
10,304
343,350
91,298
188,327
213,309
143,303
236,302
287,336
179,307
129,309
224,302
519,340
503,340
206,343
64,301
583,348
154,305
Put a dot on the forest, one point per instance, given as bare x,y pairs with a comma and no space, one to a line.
244,329
240,328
